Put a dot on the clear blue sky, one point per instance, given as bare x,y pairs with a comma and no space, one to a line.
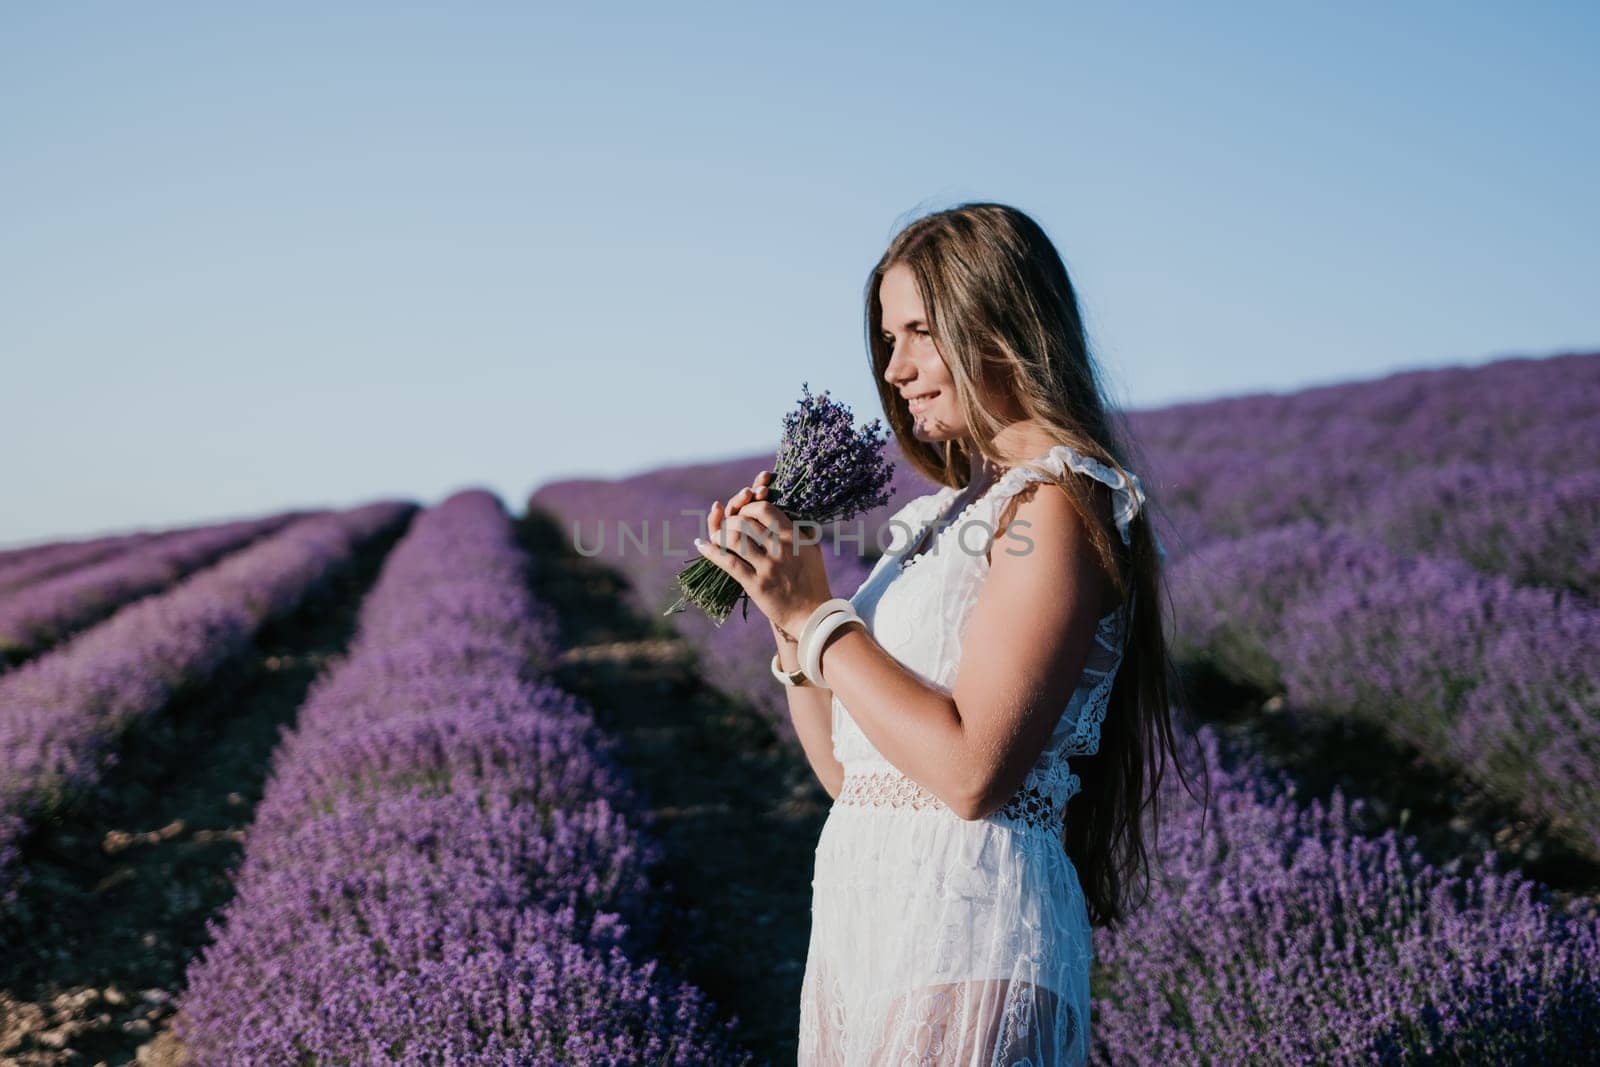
295,256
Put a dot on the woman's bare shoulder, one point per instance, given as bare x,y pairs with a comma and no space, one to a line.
1040,517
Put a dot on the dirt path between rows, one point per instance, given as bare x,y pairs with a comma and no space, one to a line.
738,811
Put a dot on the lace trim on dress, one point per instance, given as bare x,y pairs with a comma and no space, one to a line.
885,789
1030,806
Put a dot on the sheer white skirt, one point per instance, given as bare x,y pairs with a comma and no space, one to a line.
940,940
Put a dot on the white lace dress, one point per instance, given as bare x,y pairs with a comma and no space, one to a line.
936,939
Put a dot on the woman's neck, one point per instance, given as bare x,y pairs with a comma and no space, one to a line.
981,471
1017,442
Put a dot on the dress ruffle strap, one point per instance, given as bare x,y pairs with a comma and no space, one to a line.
1127,492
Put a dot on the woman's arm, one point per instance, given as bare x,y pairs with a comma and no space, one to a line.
1026,642
811,711
1025,647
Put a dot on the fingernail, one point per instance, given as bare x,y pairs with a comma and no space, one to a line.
698,542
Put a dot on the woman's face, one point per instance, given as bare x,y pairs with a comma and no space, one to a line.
916,370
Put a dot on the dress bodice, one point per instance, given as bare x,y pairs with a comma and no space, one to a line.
919,613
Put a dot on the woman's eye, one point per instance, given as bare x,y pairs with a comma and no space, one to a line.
888,340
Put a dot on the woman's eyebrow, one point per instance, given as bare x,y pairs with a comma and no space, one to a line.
914,322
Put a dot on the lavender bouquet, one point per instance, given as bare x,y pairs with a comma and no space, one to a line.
826,471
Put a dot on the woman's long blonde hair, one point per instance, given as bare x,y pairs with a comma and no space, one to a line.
1005,316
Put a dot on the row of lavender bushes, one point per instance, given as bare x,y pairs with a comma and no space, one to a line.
20,567
443,868
1496,465
26,553
1418,551
1277,933
1540,413
42,613
62,714
1497,680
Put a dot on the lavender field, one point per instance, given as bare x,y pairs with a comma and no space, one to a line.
442,784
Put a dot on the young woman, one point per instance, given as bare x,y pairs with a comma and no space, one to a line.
1011,657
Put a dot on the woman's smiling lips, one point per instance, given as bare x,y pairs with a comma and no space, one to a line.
919,404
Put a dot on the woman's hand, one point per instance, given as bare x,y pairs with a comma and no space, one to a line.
756,543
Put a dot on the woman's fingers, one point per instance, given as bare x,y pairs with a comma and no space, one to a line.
757,519
738,500
721,512
727,559
749,538
752,535
773,524
735,502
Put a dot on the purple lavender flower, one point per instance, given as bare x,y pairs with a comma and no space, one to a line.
733,656
826,471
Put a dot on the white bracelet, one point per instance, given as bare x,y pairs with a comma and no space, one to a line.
822,611
811,655
788,678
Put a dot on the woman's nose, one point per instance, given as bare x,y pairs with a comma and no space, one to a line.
895,370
